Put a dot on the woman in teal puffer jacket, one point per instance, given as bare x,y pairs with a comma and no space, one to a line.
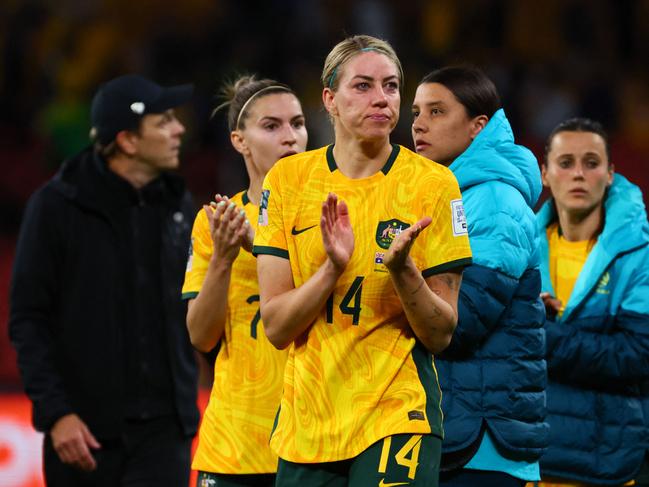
493,373
595,272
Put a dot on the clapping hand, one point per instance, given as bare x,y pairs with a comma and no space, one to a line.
337,233
398,255
229,228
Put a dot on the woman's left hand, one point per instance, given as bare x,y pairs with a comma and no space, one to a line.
398,255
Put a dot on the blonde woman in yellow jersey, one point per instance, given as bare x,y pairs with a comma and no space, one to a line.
360,250
266,123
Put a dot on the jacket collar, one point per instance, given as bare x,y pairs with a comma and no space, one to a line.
86,179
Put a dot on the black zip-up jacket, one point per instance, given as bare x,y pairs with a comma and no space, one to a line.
71,294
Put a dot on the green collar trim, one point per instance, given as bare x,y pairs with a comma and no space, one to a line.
331,161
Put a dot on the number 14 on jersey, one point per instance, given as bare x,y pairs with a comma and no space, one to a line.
354,294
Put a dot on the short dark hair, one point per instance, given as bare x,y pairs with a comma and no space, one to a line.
470,86
578,124
111,149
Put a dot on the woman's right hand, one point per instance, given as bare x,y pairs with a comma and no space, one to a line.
228,228
552,304
337,232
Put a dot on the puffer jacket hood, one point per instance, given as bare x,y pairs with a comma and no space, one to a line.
507,162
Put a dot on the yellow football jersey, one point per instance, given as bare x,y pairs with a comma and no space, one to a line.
358,374
566,260
238,420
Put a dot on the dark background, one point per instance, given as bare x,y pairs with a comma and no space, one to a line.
551,59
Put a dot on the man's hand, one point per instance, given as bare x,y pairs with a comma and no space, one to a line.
72,441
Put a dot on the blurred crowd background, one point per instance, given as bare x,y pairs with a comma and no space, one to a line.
550,60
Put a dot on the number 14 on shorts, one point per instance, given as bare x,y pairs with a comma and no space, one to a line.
403,459
407,456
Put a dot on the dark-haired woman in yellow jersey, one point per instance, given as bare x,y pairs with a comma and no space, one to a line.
266,123
595,271
360,249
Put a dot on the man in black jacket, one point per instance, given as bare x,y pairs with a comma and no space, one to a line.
96,315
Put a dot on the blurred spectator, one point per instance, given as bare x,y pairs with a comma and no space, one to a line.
96,315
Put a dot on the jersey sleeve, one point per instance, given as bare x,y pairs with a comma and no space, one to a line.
270,237
200,252
446,240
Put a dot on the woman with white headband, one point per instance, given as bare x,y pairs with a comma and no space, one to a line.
266,123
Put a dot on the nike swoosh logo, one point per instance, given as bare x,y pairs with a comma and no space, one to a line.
391,484
295,231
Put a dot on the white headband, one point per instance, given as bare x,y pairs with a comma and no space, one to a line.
255,95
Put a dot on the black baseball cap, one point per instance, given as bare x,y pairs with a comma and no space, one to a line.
120,103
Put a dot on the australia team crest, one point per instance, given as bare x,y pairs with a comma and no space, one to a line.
387,231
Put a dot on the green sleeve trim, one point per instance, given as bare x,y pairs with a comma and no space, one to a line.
262,249
447,266
189,295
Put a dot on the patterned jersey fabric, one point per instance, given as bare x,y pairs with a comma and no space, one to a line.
358,374
233,437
